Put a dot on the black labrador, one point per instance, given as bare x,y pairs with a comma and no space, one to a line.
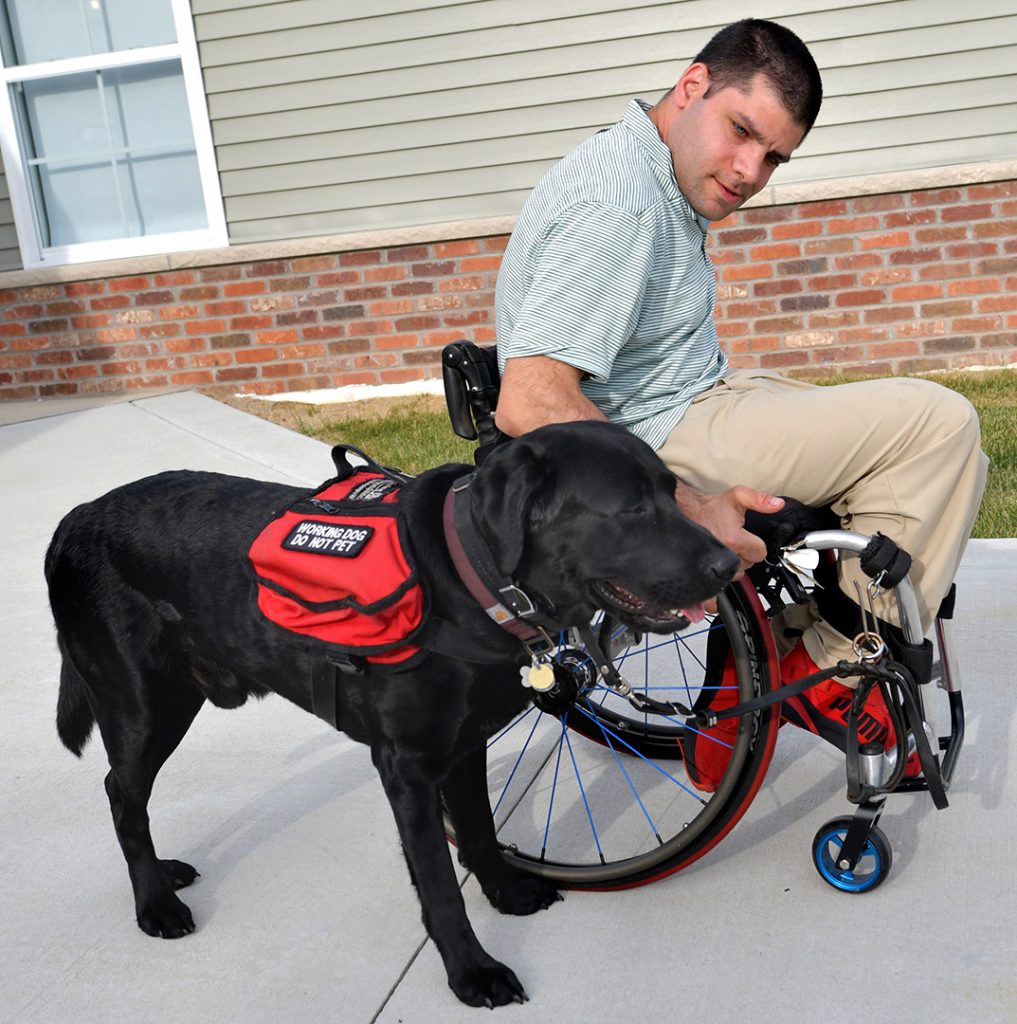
153,598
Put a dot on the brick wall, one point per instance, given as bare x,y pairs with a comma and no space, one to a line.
899,283
878,284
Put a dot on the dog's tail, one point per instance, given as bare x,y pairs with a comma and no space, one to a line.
74,715
74,719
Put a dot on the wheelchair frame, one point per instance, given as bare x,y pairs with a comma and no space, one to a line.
850,853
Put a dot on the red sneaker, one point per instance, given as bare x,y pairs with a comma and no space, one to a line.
707,752
823,709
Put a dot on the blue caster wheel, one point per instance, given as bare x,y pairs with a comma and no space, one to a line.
873,865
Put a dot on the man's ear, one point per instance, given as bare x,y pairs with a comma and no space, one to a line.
694,82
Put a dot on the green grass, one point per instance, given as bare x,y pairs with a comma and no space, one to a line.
994,395
417,435
413,436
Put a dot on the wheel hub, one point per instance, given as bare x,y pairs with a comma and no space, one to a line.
573,673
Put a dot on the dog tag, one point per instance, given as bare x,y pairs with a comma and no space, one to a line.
539,676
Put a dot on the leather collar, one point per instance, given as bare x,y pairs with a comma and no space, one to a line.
505,602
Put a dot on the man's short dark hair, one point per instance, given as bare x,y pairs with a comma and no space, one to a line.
739,52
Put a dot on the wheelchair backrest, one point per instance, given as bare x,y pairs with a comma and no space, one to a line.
471,379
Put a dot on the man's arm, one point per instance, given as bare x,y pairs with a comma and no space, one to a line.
537,390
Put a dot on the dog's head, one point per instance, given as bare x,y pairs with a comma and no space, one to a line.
584,516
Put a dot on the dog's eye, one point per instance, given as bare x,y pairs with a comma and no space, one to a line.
641,509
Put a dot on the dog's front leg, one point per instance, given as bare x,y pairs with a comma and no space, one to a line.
474,976
509,890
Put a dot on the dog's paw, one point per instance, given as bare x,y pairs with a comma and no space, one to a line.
522,895
491,984
165,916
178,874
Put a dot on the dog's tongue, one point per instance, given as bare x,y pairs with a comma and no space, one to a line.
695,612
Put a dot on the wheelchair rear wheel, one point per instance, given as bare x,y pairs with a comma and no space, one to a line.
590,793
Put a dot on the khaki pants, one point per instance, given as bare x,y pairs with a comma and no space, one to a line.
901,456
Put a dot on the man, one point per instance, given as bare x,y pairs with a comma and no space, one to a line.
604,309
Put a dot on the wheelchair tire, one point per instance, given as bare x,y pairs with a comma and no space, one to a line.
873,865
594,796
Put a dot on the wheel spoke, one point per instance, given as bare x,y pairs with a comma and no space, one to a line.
522,753
586,802
628,779
554,785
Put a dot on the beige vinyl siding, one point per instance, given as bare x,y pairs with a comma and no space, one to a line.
326,121
10,254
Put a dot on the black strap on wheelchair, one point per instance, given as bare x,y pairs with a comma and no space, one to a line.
706,719
899,694
885,561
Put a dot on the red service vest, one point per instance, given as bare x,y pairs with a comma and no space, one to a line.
335,567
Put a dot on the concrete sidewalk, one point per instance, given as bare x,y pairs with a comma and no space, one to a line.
304,908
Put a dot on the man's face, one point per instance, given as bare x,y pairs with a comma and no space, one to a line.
725,146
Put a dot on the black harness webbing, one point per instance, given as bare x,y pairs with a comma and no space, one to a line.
323,690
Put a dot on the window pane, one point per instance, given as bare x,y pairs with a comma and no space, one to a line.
166,193
40,30
111,154
79,204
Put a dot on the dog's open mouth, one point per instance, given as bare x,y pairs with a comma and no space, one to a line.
652,617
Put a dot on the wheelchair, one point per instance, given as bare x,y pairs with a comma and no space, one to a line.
587,785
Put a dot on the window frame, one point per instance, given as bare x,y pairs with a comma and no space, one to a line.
185,49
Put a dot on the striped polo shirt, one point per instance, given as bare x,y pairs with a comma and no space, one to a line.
607,271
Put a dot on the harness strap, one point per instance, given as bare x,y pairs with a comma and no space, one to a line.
448,639
323,691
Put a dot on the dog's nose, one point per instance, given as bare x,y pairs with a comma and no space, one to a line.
723,565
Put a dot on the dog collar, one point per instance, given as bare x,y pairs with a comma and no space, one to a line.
505,602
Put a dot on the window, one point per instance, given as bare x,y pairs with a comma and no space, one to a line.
104,132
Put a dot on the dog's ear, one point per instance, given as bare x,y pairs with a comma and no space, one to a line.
510,495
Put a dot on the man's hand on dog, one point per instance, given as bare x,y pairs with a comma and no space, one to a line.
724,516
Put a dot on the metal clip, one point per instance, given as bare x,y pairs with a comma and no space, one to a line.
869,647
541,645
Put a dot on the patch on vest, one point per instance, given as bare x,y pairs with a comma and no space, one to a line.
324,539
335,566
372,490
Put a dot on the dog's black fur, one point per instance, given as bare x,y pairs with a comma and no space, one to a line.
154,602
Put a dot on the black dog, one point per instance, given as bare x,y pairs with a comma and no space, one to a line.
154,602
